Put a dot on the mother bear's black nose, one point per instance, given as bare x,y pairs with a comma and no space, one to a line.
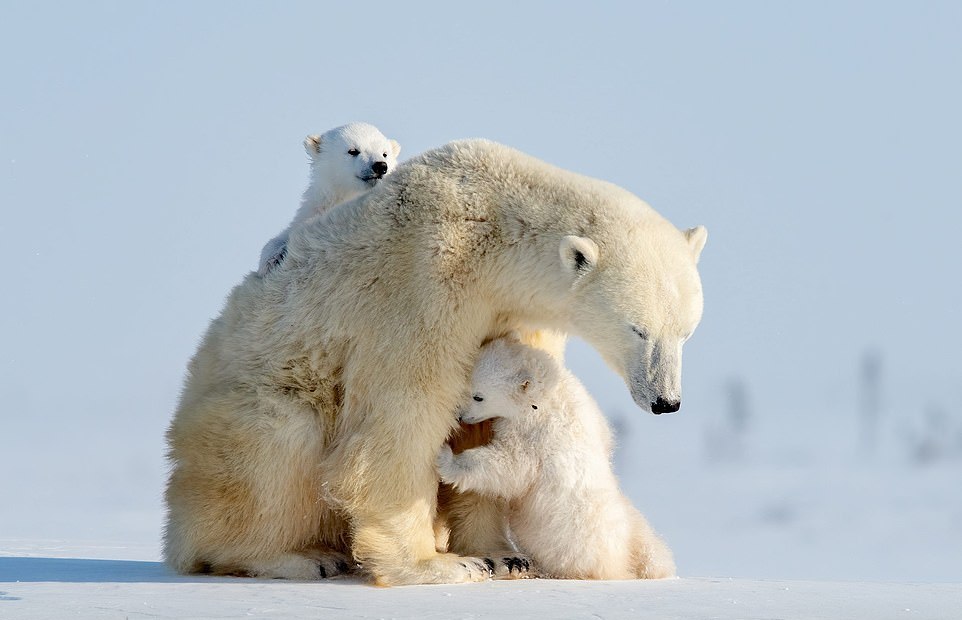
379,168
663,406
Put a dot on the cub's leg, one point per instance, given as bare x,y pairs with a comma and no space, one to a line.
651,557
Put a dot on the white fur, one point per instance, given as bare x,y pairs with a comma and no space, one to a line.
312,412
550,458
345,162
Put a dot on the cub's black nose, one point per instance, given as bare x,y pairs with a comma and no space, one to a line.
663,406
379,168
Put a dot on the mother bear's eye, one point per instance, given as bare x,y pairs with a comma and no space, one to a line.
477,398
640,331
354,152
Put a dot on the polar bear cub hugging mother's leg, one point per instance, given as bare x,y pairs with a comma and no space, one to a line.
313,412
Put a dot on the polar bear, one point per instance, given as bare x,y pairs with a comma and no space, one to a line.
307,432
550,459
345,162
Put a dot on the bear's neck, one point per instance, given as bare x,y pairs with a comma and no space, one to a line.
523,292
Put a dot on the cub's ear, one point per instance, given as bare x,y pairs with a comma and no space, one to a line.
578,254
696,237
523,380
312,144
395,148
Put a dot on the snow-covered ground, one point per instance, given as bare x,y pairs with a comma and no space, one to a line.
37,583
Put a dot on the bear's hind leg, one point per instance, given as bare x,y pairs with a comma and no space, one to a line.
245,493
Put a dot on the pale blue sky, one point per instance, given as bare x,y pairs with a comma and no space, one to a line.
148,150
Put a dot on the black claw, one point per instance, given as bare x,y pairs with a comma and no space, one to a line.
320,567
490,564
516,564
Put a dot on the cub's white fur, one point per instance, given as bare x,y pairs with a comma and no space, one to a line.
551,459
345,162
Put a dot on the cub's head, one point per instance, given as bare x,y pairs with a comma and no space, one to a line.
509,379
636,296
352,158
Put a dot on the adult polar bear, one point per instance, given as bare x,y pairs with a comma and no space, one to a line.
315,407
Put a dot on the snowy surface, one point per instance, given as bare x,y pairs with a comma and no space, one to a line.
799,529
42,587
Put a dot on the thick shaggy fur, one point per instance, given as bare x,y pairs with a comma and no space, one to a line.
550,460
312,415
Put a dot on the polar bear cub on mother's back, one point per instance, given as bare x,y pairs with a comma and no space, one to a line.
345,162
551,459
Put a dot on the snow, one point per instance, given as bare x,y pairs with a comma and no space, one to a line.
44,587
807,534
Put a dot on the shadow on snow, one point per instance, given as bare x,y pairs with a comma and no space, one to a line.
72,570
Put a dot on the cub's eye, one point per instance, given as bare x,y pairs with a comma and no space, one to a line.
385,154
354,152
640,332
477,398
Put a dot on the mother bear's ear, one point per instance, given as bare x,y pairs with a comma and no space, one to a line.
579,255
696,237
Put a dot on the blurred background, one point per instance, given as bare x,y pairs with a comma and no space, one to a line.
148,150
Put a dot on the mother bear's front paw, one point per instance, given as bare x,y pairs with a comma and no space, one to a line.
512,566
442,568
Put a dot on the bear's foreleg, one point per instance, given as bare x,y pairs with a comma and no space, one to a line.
387,484
383,479
393,536
477,526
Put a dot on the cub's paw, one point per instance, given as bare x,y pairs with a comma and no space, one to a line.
271,263
447,467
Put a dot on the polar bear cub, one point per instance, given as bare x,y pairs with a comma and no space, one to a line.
550,458
345,162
